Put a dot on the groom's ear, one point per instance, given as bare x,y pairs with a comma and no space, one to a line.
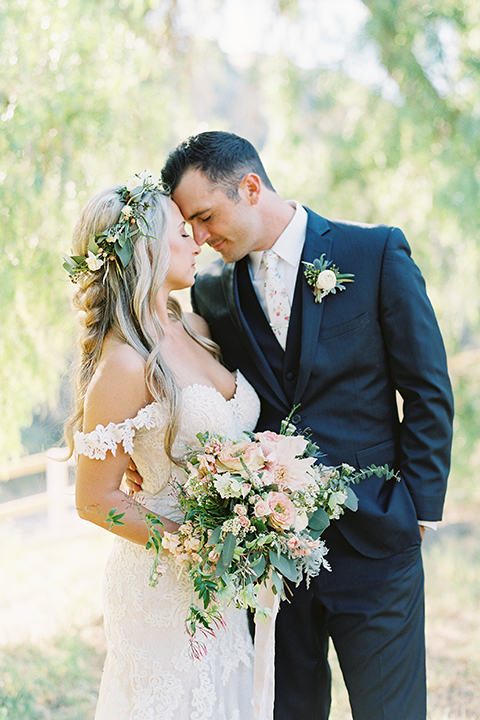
250,188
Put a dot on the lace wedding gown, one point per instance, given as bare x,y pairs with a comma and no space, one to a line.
148,673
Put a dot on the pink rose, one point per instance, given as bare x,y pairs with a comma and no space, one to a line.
282,511
240,510
244,521
261,509
246,487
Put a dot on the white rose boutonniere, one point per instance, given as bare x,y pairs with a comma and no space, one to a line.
325,278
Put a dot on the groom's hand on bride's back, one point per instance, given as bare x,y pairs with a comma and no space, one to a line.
132,478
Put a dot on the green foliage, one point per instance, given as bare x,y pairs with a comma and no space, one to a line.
114,518
85,101
91,93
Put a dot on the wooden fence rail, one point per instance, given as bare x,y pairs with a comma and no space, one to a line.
58,498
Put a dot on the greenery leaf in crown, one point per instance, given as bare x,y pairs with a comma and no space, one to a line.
115,244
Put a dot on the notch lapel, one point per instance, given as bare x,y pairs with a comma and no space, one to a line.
318,241
259,373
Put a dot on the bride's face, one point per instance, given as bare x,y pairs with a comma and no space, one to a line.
183,251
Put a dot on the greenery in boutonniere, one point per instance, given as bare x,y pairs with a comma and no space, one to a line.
325,277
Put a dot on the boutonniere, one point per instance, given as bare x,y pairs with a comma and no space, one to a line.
325,277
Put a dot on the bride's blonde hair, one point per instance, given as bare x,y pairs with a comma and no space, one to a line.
123,303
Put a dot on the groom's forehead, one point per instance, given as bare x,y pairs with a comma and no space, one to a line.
196,194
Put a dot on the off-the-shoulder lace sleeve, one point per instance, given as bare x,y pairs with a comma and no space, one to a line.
98,442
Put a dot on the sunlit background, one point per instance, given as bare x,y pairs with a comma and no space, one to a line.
365,111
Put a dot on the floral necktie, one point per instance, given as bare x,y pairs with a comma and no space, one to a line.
278,304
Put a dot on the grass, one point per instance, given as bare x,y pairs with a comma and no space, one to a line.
52,645
57,681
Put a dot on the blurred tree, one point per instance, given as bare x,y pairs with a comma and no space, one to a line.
85,99
91,92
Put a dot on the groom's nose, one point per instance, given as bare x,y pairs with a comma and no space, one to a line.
200,235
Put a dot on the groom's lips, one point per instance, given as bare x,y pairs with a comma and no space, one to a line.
217,245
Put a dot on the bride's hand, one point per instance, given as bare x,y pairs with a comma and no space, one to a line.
132,478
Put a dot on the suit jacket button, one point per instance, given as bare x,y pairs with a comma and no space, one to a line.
296,419
290,376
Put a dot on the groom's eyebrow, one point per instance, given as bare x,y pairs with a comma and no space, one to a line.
199,212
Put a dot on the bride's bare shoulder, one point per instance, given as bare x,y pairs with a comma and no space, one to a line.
118,388
198,324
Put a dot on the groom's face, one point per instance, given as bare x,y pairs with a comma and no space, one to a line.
229,226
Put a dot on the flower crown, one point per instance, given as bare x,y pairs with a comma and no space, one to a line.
115,244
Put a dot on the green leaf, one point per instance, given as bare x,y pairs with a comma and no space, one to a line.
124,253
277,582
136,191
226,556
215,536
284,565
258,566
352,501
228,549
319,520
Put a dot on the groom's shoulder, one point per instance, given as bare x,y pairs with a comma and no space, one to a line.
349,232
211,272
209,279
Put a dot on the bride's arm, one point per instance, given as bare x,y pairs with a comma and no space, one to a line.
117,391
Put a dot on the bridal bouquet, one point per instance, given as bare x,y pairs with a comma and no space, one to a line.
254,511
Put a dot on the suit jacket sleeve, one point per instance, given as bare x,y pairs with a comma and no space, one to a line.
418,365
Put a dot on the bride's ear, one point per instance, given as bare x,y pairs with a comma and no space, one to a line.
250,188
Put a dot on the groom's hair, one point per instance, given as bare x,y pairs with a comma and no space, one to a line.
223,157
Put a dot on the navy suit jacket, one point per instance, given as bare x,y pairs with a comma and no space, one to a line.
344,362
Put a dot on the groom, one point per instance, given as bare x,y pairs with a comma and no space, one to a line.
343,362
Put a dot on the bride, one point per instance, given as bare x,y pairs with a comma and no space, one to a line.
148,381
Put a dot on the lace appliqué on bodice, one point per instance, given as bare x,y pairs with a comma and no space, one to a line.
148,673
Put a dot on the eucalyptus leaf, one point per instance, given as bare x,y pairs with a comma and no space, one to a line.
319,520
284,565
124,254
226,556
352,501
258,566
215,536
277,582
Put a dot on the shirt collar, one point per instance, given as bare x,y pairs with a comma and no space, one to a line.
290,243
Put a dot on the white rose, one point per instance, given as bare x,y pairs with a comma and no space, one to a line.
132,183
127,210
301,522
150,177
93,262
326,280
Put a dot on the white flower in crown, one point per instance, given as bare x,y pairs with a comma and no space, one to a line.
132,183
325,277
150,177
93,261
127,211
